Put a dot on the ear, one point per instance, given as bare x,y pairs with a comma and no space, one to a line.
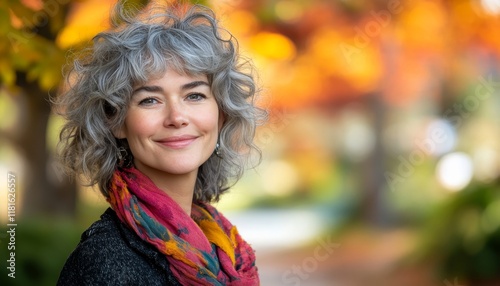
222,119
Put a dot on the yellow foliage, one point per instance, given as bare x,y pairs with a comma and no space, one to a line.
7,74
324,50
288,11
85,21
364,70
273,46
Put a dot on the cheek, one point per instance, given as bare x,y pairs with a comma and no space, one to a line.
209,126
138,125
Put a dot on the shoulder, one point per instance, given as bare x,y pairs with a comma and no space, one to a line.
111,254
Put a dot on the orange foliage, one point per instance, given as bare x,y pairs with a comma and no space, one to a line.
33,4
323,52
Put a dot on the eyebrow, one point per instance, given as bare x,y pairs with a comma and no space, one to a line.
156,88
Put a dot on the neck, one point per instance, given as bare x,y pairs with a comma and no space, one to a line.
179,187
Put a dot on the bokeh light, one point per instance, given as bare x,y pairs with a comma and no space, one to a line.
455,171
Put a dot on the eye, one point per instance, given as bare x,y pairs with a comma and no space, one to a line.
196,97
148,101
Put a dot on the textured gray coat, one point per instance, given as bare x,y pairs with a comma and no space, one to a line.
110,253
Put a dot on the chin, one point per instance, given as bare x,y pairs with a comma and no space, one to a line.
179,170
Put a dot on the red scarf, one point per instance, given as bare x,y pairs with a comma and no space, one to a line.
204,249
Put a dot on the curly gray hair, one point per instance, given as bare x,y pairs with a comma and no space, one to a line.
140,47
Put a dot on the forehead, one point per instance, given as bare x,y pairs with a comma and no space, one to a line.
172,75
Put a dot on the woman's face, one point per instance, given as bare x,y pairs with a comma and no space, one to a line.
172,125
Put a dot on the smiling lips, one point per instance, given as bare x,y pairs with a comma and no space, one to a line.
177,142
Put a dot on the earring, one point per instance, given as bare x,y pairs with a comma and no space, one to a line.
124,159
217,150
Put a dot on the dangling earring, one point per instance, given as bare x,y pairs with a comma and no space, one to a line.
124,159
217,150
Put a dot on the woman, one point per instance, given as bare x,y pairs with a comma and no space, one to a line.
160,116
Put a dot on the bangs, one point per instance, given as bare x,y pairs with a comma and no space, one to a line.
186,51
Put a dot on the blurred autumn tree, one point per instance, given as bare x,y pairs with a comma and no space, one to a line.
33,55
31,65
392,57
384,55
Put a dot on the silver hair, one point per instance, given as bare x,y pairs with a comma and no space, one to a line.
140,47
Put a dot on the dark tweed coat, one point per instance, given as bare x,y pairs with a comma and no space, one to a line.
109,253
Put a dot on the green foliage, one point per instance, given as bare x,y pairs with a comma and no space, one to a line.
41,248
463,235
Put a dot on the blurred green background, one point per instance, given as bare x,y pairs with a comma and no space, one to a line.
383,139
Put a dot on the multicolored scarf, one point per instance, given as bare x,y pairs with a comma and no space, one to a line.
204,249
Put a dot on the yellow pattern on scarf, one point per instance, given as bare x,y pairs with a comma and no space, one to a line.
216,235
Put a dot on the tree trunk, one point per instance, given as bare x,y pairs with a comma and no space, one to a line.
47,191
373,205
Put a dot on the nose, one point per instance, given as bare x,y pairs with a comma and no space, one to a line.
176,115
